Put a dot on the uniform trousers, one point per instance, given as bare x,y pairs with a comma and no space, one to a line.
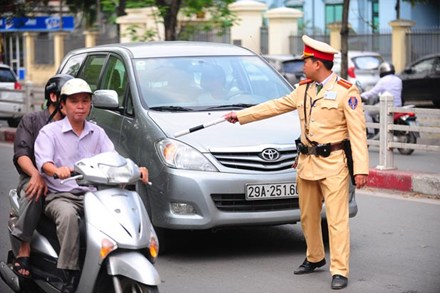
333,190
66,209
29,213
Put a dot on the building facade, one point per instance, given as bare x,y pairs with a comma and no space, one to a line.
365,16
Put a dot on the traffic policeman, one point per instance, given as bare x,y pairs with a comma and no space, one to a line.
332,143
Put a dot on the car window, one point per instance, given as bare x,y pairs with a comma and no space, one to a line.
195,81
423,66
73,65
6,75
293,66
91,70
129,109
115,77
367,62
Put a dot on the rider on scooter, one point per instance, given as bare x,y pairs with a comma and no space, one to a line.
388,82
58,147
31,186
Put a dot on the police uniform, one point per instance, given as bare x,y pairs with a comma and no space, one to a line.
327,118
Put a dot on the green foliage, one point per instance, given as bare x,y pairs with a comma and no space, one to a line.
87,8
22,8
135,36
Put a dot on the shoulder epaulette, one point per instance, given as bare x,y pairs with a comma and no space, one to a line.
345,83
305,81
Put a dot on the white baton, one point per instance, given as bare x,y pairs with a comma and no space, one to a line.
198,127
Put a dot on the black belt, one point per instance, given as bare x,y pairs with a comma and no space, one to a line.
323,150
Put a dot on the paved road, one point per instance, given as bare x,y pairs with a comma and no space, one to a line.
395,248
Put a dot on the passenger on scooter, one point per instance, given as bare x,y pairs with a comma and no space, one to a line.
31,187
58,146
388,82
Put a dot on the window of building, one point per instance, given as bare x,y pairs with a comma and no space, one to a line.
300,6
375,15
333,13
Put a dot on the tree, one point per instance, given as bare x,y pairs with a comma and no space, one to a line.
344,38
220,16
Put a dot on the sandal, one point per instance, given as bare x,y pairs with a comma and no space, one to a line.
22,265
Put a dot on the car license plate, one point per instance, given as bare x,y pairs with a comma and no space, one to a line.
271,191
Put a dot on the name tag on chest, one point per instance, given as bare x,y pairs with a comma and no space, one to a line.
330,96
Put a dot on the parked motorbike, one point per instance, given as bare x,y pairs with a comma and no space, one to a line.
118,243
402,136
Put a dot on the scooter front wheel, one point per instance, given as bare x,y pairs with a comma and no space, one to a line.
130,286
409,138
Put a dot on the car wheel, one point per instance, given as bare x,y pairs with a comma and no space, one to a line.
324,230
436,102
13,122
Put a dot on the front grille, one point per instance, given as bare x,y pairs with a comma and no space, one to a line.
237,203
254,161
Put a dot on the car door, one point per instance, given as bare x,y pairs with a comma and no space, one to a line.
418,80
111,72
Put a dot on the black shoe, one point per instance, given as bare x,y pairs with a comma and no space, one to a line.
71,281
308,267
339,282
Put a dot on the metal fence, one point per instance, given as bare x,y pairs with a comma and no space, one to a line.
386,128
422,42
419,43
44,44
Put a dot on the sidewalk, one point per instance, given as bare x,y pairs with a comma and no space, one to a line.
398,180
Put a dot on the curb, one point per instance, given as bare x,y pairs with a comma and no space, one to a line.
7,134
406,181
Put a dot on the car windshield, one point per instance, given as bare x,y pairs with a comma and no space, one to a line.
367,62
202,83
293,66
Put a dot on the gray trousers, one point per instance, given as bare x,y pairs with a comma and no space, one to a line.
28,214
369,117
65,209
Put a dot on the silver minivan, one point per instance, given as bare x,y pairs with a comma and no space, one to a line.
220,176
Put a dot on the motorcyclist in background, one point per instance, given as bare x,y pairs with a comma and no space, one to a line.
388,82
31,186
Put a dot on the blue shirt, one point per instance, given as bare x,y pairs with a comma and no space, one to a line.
389,83
59,144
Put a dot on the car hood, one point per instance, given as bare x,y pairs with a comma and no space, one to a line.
281,130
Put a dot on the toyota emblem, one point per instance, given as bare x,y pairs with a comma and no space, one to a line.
270,154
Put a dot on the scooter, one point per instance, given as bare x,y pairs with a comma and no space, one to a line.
402,136
118,243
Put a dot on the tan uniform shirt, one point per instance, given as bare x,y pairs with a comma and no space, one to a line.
336,114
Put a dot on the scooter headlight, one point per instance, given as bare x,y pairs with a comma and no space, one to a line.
120,174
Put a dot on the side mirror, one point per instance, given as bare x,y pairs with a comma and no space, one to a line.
106,99
408,70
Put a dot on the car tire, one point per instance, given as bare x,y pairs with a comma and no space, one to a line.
13,122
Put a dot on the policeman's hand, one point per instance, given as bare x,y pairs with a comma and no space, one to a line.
360,180
144,174
63,172
231,117
36,187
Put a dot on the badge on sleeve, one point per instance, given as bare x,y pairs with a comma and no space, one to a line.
353,102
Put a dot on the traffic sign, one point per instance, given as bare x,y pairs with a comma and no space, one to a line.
36,24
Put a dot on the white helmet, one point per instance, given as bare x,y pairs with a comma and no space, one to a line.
75,86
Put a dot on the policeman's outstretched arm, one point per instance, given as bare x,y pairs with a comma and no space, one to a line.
231,117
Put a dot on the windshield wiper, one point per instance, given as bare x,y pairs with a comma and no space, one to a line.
171,108
231,106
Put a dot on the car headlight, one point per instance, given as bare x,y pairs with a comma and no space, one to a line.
181,156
